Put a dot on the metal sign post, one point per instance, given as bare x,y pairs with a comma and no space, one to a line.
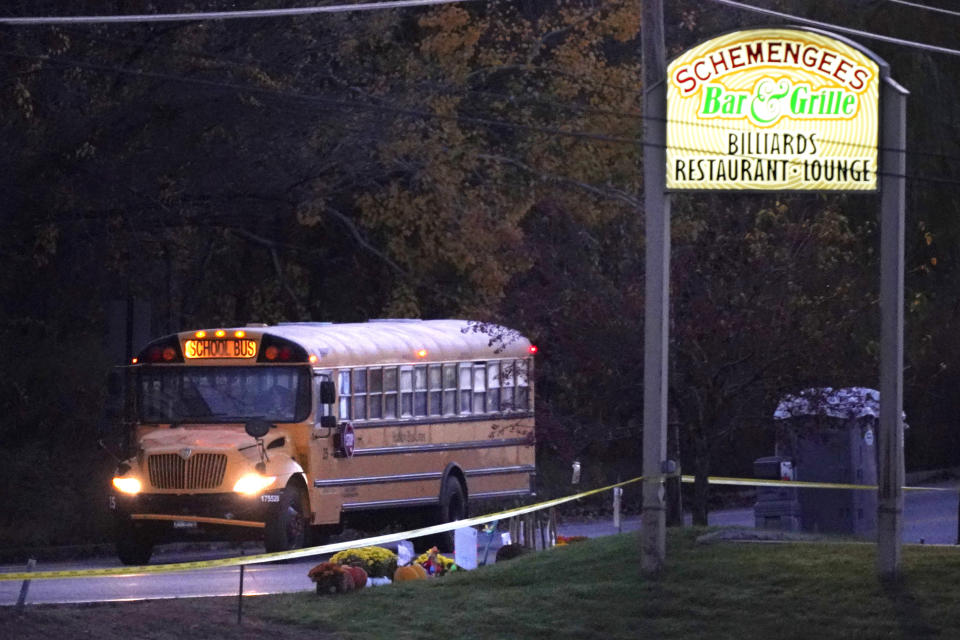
773,109
890,433
656,206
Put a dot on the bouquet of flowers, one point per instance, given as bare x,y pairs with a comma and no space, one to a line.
376,561
434,563
330,577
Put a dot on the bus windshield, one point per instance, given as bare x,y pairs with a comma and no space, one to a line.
223,394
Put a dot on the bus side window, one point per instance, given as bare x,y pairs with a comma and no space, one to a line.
420,390
523,385
375,394
449,389
435,379
359,394
390,392
406,392
493,387
466,387
345,395
479,387
508,372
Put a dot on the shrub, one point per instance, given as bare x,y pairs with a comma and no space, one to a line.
510,551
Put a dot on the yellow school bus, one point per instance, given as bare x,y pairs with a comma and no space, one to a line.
284,431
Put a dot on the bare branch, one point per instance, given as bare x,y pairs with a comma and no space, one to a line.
363,241
275,257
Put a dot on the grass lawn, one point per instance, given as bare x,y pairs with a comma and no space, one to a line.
591,589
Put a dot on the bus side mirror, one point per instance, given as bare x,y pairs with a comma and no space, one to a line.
328,422
328,392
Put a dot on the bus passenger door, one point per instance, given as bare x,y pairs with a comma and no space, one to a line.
322,449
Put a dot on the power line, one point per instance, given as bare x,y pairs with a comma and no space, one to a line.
226,62
350,107
835,27
225,15
925,7
510,97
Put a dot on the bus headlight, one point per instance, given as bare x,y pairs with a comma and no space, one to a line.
129,486
253,483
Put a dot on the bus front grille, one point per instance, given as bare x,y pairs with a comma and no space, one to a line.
199,471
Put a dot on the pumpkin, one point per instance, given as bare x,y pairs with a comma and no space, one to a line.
410,572
359,576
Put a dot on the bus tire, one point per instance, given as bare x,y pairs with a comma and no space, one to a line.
453,506
286,528
134,544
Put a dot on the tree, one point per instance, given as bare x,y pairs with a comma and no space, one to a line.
765,301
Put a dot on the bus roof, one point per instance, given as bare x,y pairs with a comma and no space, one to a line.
396,341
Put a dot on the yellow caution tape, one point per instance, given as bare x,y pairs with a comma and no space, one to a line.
307,552
802,484
414,533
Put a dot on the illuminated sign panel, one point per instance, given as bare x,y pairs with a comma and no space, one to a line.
219,348
773,109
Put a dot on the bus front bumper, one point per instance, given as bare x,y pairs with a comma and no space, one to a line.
174,516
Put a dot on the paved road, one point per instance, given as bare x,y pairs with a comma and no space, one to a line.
258,579
929,517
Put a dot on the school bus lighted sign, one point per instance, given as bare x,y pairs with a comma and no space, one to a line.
773,109
219,348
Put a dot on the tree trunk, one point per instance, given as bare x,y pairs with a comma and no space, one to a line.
701,488
674,498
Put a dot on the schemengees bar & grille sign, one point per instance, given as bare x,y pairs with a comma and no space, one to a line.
773,109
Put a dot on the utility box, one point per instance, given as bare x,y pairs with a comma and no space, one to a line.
830,435
776,507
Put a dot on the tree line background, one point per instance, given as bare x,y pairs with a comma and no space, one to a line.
480,161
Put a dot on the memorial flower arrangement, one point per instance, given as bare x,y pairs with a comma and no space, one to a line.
376,561
330,577
565,540
434,563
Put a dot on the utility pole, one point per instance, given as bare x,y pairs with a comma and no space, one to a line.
653,537
893,160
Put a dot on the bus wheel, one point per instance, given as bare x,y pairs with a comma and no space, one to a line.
134,544
453,506
286,528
